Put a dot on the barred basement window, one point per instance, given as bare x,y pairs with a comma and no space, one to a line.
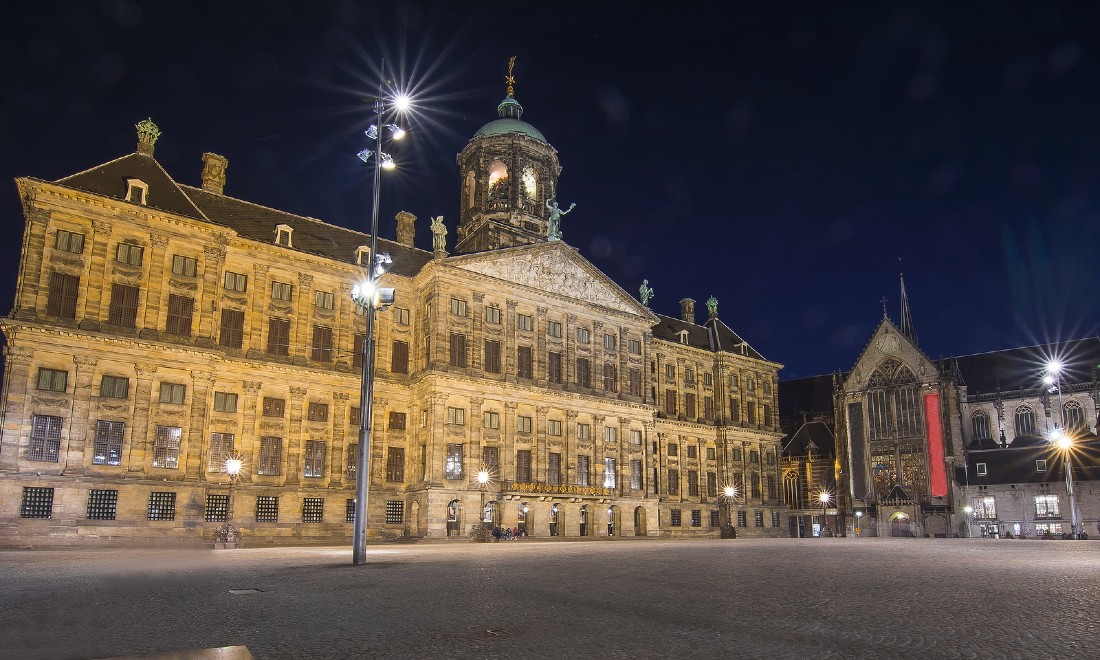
349,512
317,412
395,512
102,504
37,502
492,314
235,282
69,241
107,449
225,402
282,291
278,337
162,506
221,447
232,328
714,518
314,458
674,517
775,519
696,518
267,508
274,407
217,508
759,518
313,509
61,299
271,456
172,393
166,447
741,519
129,254
45,438
185,266
124,305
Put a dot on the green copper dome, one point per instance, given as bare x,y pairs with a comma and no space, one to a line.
510,112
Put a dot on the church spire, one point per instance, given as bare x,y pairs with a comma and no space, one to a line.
906,316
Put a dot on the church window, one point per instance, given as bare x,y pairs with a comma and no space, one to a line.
980,424
498,180
1025,421
1073,418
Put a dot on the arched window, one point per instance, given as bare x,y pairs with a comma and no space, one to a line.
529,190
980,424
1074,417
1025,421
498,180
792,495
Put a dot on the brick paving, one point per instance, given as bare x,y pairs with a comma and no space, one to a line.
805,598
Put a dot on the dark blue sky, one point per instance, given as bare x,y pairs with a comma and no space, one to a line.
782,157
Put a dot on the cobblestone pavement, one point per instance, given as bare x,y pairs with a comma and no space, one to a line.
782,598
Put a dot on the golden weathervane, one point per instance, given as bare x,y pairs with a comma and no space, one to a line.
510,79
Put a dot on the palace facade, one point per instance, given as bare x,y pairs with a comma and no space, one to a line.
159,328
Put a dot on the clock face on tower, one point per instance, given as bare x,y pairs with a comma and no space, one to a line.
888,344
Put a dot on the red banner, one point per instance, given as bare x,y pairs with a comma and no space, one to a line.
937,471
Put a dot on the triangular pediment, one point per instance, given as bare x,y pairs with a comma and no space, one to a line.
554,268
890,356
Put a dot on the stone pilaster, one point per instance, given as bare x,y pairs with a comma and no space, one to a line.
96,269
140,458
337,471
213,267
159,272
17,418
295,442
81,432
256,335
539,455
508,428
302,319
198,433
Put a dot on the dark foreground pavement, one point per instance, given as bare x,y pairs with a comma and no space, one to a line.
827,598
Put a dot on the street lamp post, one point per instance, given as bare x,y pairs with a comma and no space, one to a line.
228,535
370,297
1061,438
729,494
859,519
825,498
969,511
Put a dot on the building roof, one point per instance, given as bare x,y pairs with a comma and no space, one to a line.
806,396
815,435
1023,368
511,113
1018,464
714,335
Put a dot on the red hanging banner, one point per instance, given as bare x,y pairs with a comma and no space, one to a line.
937,471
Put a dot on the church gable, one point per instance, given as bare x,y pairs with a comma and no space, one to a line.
889,358
555,269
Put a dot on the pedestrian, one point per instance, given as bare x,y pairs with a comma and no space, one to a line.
496,533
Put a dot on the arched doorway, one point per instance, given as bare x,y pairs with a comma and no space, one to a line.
454,518
523,518
613,520
936,525
899,525
584,520
555,514
639,521
490,514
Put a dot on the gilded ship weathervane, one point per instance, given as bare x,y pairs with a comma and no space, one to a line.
510,79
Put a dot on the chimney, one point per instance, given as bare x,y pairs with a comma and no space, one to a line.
147,134
406,228
687,310
213,172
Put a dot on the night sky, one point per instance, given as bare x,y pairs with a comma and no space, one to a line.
789,159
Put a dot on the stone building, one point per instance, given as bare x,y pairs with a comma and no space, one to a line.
159,328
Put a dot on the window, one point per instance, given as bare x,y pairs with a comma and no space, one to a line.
673,449
525,363
741,519
985,508
349,512
553,427
523,466
456,416
708,408
166,447
636,437
235,282
354,416
670,372
490,460
267,508
759,518
225,402
317,412
395,512
714,518
696,518
1040,465
232,329
750,412
767,414
274,407
708,380
69,242
775,519
689,375
767,387
124,306
524,322
172,393
1046,506
458,307
583,335
712,484
635,475
609,476
52,380
114,387
492,356
584,431
61,300
491,419
523,424
750,384
162,506
492,314
980,425
352,465
181,309
102,504
453,467
136,190
553,469
314,458
458,350
711,453
399,357
400,315
397,421
733,382
689,404
754,456
37,502
129,254
324,300
395,464
610,377
609,341
282,291
583,470
980,469
553,368
584,376
108,443
674,517
1025,421
278,337
322,344
217,508
221,448
673,481
736,455
610,434
692,451
1073,417
313,509
693,483
670,402
634,347
185,266
271,456
553,329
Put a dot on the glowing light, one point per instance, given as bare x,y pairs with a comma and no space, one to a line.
824,497
730,491
398,132
968,509
1054,367
402,103
364,292
1063,441
483,477
233,465
387,162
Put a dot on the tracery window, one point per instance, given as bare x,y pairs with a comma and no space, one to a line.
1073,417
1025,421
980,425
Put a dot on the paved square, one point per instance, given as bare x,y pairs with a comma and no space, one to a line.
784,598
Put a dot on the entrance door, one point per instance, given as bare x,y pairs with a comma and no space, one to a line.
584,520
454,523
555,512
639,521
612,520
899,525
